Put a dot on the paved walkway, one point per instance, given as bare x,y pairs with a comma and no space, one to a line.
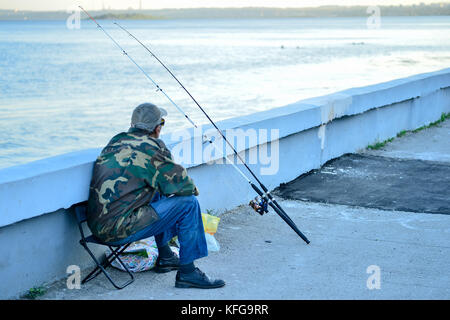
374,181
262,258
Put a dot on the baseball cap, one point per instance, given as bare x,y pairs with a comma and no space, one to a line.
147,116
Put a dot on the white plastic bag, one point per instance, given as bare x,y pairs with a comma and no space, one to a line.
210,224
212,243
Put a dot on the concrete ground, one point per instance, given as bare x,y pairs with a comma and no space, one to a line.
376,182
262,258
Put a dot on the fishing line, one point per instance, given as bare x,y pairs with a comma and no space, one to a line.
266,197
266,191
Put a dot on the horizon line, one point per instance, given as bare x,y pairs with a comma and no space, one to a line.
246,7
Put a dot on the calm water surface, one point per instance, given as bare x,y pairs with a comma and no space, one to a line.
63,90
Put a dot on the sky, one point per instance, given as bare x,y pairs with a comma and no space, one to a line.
51,5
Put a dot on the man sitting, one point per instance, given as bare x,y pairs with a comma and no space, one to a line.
138,191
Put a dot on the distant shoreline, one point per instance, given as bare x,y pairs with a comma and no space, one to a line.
437,9
127,16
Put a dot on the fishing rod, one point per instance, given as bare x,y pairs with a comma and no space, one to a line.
204,112
266,199
256,206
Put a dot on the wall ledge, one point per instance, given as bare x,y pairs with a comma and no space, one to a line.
53,183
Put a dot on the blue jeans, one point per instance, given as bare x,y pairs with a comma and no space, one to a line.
178,216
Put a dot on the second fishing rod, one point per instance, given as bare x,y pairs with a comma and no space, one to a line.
266,197
263,187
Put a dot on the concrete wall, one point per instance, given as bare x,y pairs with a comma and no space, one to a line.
38,235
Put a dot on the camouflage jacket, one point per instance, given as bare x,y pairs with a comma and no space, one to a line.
126,175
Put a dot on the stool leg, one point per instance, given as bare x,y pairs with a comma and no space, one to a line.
105,264
101,267
124,266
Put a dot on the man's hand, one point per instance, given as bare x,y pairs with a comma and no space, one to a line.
196,193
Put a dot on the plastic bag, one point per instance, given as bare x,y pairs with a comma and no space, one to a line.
210,223
211,242
139,256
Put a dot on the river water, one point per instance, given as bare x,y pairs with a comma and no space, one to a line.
65,89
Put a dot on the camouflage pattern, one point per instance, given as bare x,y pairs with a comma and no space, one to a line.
128,172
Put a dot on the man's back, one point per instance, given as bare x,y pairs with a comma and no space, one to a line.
127,174
129,170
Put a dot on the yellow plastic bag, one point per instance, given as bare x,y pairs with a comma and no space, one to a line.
210,223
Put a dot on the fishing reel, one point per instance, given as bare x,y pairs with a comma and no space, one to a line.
260,205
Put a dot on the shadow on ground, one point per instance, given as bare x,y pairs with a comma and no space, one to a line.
376,182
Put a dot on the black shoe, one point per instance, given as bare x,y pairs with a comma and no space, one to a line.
164,265
197,279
